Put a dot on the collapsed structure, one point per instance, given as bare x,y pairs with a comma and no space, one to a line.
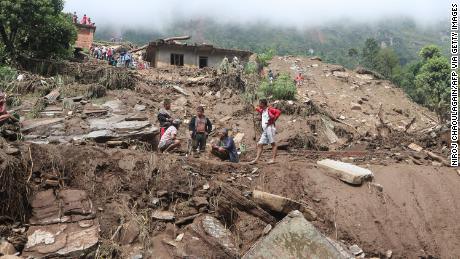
170,52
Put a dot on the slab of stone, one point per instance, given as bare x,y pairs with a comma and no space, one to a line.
60,239
29,125
415,147
346,172
129,233
293,237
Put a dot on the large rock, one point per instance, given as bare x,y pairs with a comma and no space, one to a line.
61,239
346,172
129,233
62,224
67,206
216,235
294,237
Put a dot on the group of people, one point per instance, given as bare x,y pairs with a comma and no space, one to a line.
200,127
85,20
103,53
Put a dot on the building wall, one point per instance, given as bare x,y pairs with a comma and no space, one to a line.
84,37
191,57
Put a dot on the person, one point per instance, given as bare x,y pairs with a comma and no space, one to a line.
225,148
89,21
104,53
127,59
164,117
75,17
168,141
199,128
270,76
224,65
299,79
268,116
84,20
109,53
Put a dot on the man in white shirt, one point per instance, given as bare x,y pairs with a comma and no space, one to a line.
168,141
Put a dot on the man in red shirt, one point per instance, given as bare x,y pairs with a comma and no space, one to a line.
268,116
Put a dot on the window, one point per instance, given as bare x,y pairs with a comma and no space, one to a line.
203,62
177,59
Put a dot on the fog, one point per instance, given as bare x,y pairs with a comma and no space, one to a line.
156,14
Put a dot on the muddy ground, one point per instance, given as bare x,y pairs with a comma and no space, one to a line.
410,207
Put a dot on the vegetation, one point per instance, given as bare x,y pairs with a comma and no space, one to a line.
282,88
37,28
331,41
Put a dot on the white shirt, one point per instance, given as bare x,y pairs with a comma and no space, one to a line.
168,135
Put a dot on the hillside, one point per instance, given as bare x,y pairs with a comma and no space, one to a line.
331,41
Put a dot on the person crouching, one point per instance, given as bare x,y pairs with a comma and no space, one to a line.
225,149
168,141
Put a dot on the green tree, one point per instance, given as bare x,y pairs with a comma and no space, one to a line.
369,53
37,28
386,62
429,52
432,82
283,88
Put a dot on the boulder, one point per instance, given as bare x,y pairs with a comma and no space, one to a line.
294,237
346,172
129,232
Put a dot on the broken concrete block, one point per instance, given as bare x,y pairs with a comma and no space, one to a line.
294,237
347,172
415,147
281,204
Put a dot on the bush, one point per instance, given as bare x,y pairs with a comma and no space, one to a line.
283,88
7,74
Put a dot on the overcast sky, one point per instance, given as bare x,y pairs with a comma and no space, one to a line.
156,13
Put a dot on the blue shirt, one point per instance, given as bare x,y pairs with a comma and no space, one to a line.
228,144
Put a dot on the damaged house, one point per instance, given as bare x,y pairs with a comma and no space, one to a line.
171,52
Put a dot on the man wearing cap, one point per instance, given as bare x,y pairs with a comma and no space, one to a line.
168,141
164,116
225,149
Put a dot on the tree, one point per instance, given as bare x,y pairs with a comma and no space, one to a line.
432,83
369,55
429,52
36,27
386,62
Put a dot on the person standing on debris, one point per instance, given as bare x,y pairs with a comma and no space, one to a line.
164,117
299,79
268,116
224,65
127,59
109,54
75,17
168,141
270,76
84,20
199,128
225,148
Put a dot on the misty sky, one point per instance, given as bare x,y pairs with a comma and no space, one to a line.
157,13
